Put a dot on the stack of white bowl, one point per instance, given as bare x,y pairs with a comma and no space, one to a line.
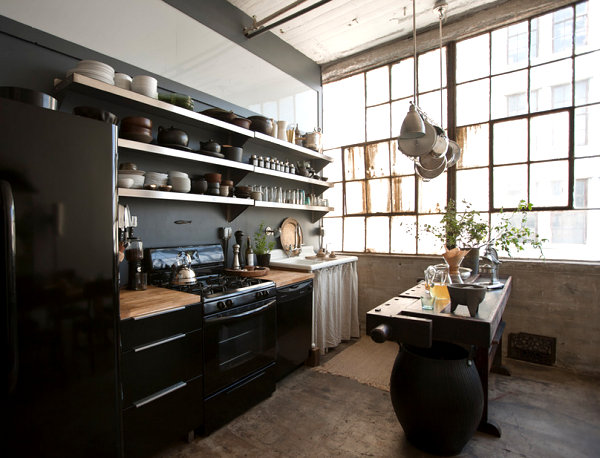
180,181
123,80
145,85
94,69
157,178
136,175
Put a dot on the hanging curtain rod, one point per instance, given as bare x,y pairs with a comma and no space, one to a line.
257,28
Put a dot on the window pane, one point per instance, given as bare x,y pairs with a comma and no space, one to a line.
474,142
427,243
570,234
333,170
473,102
472,186
509,94
401,164
403,238
586,143
403,194
510,142
354,234
587,183
432,194
510,185
551,85
335,198
333,233
399,110
378,86
378,234
429,70
586,20
430,104
378,122
549,184
378,192
551,34
354,163
403,79
587,79
468,68
344,99
355,197
378,160
549,136
509,47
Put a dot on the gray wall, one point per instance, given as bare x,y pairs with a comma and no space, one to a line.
32,59
549,298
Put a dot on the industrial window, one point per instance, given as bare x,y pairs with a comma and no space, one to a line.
523,110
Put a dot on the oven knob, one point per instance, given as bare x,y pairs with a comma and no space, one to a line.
221,305
228,303
258,295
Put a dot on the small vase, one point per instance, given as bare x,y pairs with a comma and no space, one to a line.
453,258
471,260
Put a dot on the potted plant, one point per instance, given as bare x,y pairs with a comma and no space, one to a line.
465,232
262,246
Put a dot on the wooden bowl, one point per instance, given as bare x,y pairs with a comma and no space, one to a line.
213,177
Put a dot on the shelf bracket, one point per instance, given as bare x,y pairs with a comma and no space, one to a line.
233,211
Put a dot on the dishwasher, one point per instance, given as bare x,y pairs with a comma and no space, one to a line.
294,326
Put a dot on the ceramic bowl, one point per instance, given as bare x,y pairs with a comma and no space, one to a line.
199,185
213,177
242,122
123,81
138,179
233,153
138,121
124,182
219,113
261,124
172,136
177,174
127,166
224,191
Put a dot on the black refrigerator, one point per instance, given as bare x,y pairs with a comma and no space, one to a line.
59,283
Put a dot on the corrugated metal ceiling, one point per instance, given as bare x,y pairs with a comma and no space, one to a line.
341,28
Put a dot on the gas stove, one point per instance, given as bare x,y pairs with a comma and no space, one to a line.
218,291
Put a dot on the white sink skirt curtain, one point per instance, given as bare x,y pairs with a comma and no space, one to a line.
335,305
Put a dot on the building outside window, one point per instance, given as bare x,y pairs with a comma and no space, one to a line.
515,105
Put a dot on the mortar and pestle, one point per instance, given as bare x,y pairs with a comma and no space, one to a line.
466,294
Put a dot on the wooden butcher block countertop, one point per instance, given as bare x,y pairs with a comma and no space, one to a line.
287,277
152,300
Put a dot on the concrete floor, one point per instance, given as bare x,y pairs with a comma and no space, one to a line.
543,412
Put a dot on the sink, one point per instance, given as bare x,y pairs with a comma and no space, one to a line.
301,263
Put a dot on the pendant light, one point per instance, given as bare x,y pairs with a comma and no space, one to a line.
413,125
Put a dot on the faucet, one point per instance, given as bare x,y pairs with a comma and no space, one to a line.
293,250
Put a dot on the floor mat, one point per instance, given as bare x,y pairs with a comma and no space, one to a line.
365,361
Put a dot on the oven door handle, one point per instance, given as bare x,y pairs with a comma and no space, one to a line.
241,315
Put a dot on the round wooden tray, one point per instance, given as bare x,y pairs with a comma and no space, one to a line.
291,234
258,272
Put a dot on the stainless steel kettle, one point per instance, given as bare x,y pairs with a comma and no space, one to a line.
182,273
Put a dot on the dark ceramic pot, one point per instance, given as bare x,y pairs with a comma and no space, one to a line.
471,260
172,136
263,260
261,124
437,396
211,146
467,294
199,185
233,153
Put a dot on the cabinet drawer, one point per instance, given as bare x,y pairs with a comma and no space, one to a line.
150,368
150,328
163,420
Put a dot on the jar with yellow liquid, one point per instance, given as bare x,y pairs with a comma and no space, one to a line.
436,281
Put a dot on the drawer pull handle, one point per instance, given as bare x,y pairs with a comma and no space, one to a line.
159,342
158,395
162,312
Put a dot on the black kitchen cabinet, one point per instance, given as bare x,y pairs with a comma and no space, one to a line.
161,378
294,326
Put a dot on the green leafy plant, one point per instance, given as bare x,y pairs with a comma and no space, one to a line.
467,230
261,243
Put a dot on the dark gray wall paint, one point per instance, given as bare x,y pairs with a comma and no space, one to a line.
28,60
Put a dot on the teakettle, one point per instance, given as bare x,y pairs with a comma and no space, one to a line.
182,273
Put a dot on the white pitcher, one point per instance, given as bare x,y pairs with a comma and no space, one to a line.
281,130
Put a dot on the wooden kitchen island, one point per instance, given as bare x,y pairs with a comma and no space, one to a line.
483,331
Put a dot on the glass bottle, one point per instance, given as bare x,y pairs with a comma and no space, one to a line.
250,256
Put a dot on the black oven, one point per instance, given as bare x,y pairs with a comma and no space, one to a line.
238,343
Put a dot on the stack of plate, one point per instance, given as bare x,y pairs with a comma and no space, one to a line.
94,69
180,181
157,178
145,85
136,175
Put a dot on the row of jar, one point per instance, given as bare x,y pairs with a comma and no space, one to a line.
272,163
280,195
